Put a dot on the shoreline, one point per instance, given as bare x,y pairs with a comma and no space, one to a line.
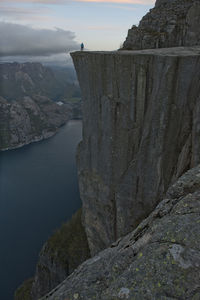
35,140
40,138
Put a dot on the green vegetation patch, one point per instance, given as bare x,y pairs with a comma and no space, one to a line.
69,244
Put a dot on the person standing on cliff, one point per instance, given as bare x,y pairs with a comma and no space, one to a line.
82,46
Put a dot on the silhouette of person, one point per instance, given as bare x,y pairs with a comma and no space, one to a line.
82,46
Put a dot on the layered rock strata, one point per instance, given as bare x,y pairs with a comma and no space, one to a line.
160,259
140,133
171,23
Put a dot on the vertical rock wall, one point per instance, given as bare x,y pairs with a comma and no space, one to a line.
140,132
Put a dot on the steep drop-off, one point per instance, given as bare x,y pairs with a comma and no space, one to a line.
140,133
159,260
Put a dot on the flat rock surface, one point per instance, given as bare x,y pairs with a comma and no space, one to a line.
174,51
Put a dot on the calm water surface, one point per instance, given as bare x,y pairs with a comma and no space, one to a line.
38,192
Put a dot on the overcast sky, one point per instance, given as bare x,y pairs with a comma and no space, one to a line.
45,30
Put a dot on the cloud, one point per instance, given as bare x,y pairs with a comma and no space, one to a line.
21,40
144,2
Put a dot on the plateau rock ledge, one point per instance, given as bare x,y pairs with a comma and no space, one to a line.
141,131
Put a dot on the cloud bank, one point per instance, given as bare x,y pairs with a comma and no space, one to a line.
21,40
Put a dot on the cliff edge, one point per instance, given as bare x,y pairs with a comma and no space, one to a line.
140,133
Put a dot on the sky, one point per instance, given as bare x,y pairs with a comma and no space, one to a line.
46,30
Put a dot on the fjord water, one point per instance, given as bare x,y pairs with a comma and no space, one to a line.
38,192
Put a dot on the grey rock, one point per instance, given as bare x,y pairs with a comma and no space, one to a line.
140,133
171,23
160,259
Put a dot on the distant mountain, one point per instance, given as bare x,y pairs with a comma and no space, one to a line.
27,79
35,101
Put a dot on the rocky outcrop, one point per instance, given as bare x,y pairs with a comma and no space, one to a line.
64,251
140,133
160,259
172,23
29,120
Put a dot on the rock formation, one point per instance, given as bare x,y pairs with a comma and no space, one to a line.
172,23
140,133
160,259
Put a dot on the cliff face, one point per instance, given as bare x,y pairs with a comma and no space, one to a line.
158,260
140,133
172,23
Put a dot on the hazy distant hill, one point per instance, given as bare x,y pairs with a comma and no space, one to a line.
18,80
28,96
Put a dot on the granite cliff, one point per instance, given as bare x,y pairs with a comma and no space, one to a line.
141,135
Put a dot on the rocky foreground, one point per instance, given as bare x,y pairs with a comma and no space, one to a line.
160,259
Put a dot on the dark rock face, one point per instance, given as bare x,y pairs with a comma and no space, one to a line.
172,23
160,259
140,133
